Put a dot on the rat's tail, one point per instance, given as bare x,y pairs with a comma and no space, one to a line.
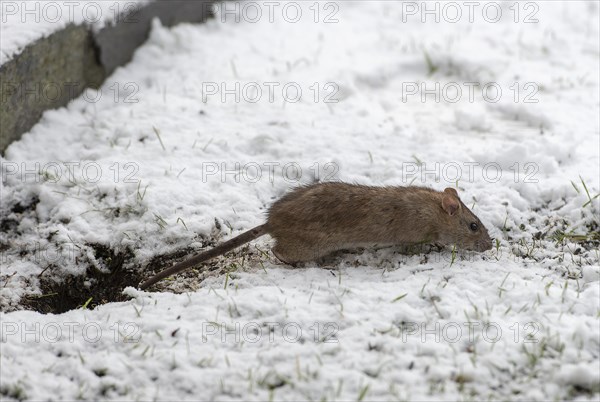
207,255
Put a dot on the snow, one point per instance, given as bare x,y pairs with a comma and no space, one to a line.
151,167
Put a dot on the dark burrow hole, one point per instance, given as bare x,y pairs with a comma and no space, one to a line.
96,287
91,289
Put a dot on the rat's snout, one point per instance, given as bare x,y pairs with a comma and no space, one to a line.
485,244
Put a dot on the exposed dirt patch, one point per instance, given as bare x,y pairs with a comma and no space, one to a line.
93,288
30,206
9,219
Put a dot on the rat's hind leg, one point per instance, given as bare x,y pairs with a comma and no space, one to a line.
294,249
285,258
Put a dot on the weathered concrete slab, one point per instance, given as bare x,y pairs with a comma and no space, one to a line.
46,75
51,71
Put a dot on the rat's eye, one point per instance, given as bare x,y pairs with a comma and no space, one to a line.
474,227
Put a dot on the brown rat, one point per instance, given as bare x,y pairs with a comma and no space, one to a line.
312,221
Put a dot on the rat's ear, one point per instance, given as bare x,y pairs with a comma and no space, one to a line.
450,202
451,191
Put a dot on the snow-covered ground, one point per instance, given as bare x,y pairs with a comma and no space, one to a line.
162,159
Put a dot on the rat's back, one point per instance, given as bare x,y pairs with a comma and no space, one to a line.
347,213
